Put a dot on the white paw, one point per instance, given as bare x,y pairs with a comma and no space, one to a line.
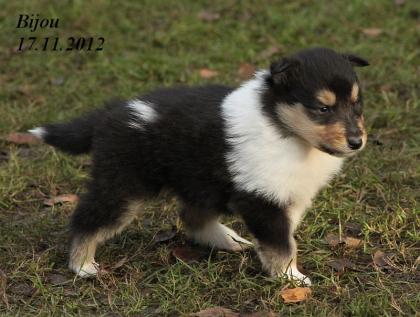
221,237
294,274
86,270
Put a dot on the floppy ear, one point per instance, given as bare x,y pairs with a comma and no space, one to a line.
356,60
283,69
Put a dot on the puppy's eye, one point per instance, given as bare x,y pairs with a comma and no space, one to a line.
324,109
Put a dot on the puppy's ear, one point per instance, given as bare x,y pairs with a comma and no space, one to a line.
356,60
282,70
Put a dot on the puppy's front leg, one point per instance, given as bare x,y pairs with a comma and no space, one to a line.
273,228
281,262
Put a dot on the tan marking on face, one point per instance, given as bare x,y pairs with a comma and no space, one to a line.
354,92
296,120
327,97
332,135
361,125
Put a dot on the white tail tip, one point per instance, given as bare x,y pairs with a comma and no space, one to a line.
38,132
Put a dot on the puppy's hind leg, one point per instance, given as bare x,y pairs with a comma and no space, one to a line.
93,222
204,228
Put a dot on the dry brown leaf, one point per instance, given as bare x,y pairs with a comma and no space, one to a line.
381,259
378,258
207,73
334,240
120,263
189,254
165,235
208,16
372,32
352,242
296,295
38,100
23,289
21,138
57,279
215,312
70,292
353,228
65,198
340,264
246,71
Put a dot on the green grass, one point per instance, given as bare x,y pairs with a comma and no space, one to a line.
154,43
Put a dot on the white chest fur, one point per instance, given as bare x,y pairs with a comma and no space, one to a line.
284,170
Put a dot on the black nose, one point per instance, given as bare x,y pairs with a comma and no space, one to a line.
354,143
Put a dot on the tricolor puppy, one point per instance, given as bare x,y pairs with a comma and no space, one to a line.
262,150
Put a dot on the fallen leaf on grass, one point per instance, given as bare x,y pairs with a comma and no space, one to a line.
65,198
57,279
372,32
295,295
246,71
189,254
38,100
341,264
21,138
353,228
70,292
23,289
334,240
215,312
352,242
120,263
208,16
382,260
207,73
165,235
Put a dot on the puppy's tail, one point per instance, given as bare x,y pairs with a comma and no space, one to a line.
74,137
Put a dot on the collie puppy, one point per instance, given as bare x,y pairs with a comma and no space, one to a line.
262,150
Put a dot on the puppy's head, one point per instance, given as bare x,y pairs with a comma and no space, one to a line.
317,97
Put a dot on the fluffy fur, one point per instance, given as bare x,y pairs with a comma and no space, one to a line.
262,150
